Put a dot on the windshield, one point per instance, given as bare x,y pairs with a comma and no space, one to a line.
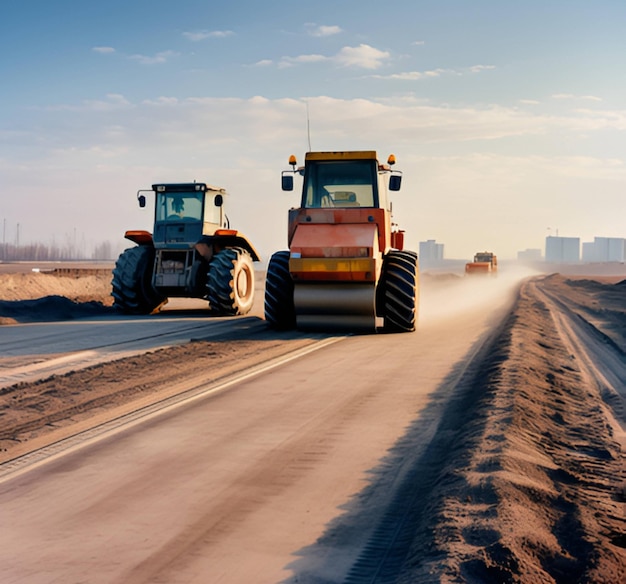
483,257
340,184
179,206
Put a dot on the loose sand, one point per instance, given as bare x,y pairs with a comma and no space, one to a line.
528,479
54,295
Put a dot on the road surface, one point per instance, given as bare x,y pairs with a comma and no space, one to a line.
281,476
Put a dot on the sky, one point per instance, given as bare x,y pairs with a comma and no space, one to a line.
507,119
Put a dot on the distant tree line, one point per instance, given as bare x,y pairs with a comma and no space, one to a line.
52,252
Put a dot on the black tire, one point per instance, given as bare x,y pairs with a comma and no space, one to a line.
133,292
230,283
400,291
280,312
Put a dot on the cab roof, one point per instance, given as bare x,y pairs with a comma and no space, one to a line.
346,155
186,187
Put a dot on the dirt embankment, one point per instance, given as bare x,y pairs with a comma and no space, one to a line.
54,295
535,488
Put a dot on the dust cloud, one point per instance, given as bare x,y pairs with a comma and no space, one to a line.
448,297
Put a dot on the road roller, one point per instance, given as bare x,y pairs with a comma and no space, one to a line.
346,268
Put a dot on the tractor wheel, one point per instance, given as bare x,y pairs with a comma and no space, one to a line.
133,292
230,283
280,312
400,291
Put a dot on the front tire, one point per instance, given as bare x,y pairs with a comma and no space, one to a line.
280,312
230,282
400,291
133,292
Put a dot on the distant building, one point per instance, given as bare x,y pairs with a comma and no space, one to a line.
431,252
564,250
529,255
589,252
605,249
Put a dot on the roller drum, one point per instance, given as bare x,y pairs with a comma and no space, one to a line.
335,306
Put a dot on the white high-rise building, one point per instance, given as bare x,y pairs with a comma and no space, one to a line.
605,249
562,249
430,252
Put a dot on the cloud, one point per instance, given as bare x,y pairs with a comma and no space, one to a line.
324,31
529,101
452,157
479,68
159,101
571,96
200,35
418,43
363,56
258,118
591,98
263,63
417,75
291,61
414,75
156,59
103,50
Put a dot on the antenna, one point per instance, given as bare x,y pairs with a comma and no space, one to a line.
308,125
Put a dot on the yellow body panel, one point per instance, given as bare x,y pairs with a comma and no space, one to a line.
361,269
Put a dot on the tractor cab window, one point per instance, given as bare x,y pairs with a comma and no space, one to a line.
340,184
179,206
212,212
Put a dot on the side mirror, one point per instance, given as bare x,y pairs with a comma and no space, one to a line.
142,200
395,181
219,200
287,182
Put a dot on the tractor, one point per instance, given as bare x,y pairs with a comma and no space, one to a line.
191,253
346,267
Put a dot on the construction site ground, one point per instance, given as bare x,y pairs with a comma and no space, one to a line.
524,479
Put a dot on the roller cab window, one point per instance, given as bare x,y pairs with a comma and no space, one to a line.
340,184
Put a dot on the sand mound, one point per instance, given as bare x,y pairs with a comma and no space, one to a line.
75,285
41,296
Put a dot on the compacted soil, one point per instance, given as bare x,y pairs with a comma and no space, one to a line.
532,486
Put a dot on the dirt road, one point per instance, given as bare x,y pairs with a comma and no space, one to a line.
487,447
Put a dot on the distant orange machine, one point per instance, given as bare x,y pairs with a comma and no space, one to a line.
485,263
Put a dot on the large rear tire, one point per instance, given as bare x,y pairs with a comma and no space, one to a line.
133,292
230,283
280,312
400,291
